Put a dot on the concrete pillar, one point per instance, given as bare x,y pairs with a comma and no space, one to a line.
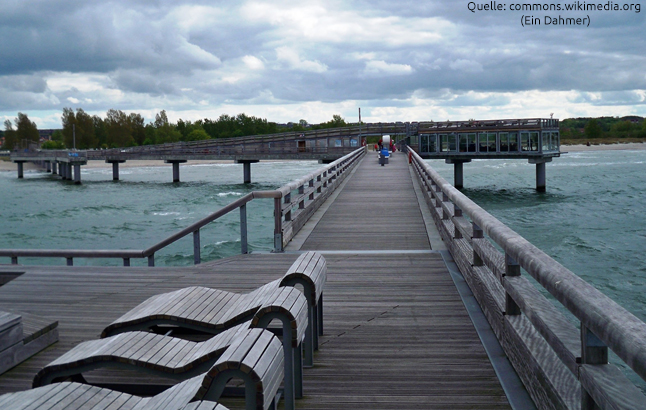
458,174
175,171
540,172
77,174
246,172
458,171
175,163
115,167
54,166
246,169
540,177
48,166
20,169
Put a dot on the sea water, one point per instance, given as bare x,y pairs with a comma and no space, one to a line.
43,212
590,219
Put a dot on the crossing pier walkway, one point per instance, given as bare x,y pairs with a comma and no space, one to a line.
397,334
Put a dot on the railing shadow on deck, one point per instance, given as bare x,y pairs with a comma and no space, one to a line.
562,365
294,204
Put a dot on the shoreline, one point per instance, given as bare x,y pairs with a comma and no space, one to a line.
6,166
605,147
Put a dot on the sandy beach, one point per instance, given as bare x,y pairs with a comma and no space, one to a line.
9,166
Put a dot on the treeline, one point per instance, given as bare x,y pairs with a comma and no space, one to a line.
118,129
631,127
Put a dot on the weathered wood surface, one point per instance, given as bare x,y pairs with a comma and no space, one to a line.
396,336
377,210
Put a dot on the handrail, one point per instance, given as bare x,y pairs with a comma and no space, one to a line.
288,220
604,323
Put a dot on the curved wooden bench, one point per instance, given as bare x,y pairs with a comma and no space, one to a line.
310,271
256,357
180,359
212,310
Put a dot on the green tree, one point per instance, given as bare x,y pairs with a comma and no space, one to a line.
100,132
592,129
164,130
58,136
625,129
26,130
69,123
138,127
52,145
197,134
151,135
10,136
78,129
119,130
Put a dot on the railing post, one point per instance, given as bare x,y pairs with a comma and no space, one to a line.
311,185
593,351
512,268
70,261
126,261
244,248
301,191
151,260
318,179
445,198
477,234
278,225
197,256
457,212
288,214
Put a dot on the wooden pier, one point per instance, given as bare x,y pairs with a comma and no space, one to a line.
407,306
397,334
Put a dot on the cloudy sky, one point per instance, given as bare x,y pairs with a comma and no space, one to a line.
290,60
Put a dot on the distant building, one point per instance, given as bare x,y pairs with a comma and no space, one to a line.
46,135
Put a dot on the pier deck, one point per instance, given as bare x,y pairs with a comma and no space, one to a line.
397,334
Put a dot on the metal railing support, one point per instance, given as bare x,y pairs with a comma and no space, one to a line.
278,225
196,247
244,247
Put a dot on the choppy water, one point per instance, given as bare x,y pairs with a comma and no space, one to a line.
43,212
591,219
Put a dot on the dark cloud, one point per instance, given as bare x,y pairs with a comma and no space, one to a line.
184,54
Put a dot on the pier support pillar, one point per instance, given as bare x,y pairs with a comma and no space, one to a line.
175,163
115,167
77,174
458,171
246,164
54,166
48,166
20,169
540,172
65,168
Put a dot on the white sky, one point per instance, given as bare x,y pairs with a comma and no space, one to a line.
291,60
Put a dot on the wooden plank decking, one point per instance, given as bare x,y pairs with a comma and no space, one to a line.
397,335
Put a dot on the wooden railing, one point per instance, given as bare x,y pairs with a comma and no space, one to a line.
294,204
563,365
